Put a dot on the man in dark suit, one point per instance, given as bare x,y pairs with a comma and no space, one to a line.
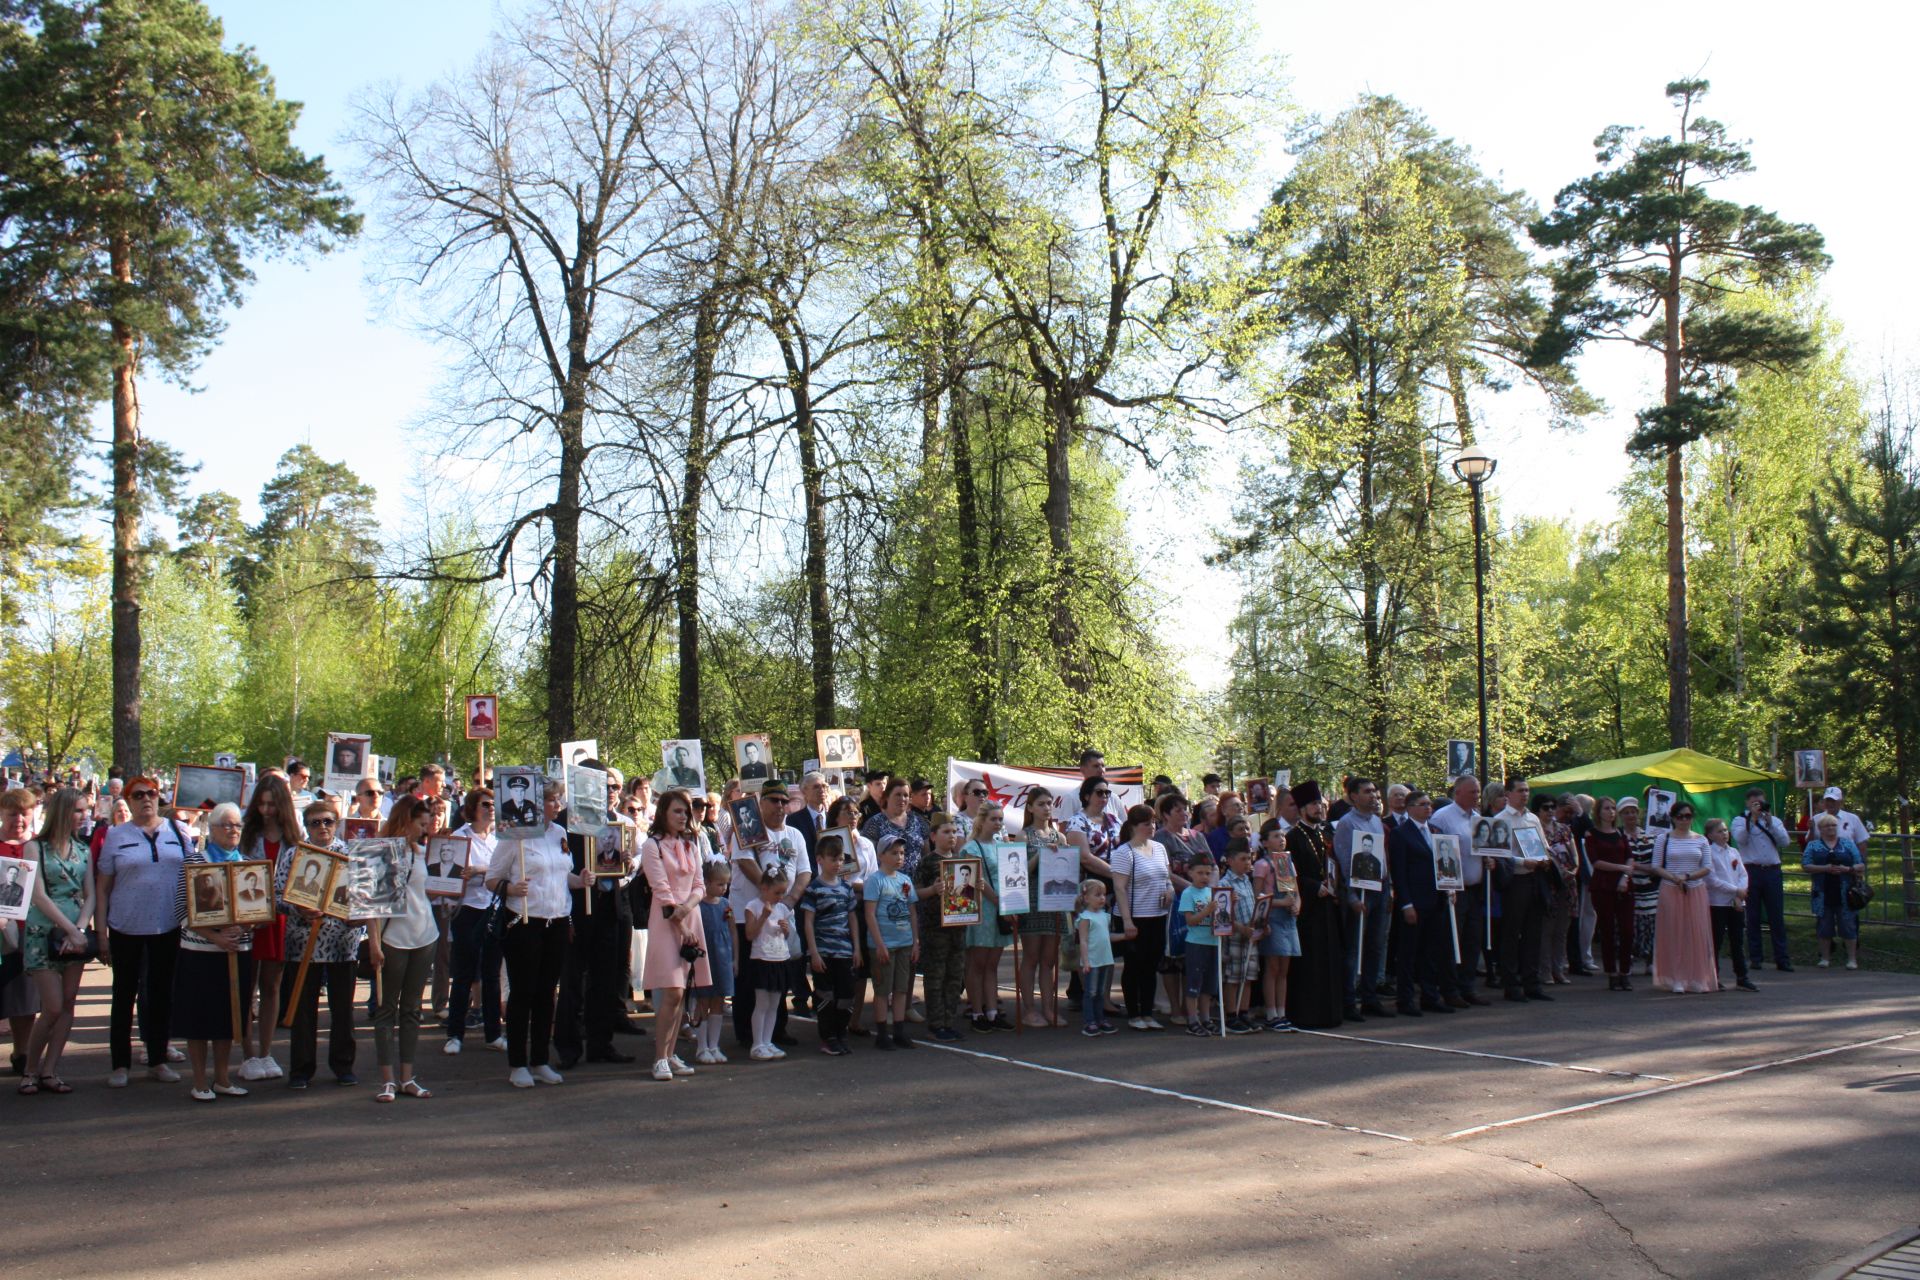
594,978
811,818
1422,939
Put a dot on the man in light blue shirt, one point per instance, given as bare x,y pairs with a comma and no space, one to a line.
1373,906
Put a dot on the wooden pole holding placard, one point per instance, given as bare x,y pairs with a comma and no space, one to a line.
523,880
1019,985
1360,957
306,963
233,993
588,865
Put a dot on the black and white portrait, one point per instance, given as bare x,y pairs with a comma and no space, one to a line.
1446,862
1529,844
446,862
1459,758
685,763
16,887
1809,770
1366,866
572,753
377,872
839,748
748,828
752,757
1660,809
208,896
252,899
349,759
308,877
1015,895
519,791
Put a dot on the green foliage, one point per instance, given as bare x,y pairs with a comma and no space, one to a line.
54,688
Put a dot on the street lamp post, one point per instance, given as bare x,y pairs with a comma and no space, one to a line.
1474,466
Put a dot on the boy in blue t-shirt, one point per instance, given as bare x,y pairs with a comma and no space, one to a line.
833,948
1203,949
896,945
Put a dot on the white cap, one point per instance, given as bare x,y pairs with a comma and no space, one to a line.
1832,793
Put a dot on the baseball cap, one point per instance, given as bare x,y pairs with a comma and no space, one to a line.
1832,793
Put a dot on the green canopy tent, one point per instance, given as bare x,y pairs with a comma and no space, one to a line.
1717,788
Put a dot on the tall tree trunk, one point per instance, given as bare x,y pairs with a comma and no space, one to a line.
563,636
686,523
980,677
1679,655
813,494
126,526
1063,414
1737,606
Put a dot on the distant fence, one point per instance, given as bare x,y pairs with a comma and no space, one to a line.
1891,871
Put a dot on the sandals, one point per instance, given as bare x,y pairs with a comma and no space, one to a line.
28,1085
54,1084
414,1089
386,1093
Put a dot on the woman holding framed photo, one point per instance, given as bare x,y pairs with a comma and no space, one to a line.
336,952
56,944
534,878
269,826
473,951
401,948
207,990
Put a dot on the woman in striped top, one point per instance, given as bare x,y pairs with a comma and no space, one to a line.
1683,937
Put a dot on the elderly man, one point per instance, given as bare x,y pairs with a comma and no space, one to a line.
1523,904
1851,825
1456,819
1397,804
784,848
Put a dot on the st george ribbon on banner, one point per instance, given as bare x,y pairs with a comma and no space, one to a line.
1008,787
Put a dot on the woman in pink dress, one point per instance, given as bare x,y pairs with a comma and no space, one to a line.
671,862
1683,958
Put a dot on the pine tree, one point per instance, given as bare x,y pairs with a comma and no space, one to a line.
1645,238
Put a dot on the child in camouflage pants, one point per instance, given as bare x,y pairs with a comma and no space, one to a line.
943,952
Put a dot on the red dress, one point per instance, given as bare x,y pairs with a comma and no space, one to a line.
269,940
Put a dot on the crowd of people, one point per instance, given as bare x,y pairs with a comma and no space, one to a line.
831,909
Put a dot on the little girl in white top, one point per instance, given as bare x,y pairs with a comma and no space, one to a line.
770,946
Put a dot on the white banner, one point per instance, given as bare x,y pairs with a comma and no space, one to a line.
1008,787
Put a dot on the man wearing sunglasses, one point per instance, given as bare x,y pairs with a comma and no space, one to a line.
142,899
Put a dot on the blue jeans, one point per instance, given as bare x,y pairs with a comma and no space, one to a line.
1093,1010
1379,917
1766,895
475,953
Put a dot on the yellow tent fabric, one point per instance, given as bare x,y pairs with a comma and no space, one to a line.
1691,769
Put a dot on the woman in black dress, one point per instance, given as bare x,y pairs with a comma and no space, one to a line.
1316,982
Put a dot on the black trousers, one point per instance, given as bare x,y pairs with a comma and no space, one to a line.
1522,914
535,951
1470,908
593,983
303,1043
1423,956
1139,972
473,952
743,997
142,969
1730,922
833,996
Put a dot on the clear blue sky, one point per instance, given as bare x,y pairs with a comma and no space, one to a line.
1820,91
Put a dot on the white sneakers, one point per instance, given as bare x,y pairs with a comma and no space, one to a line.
498,1044
1853,964
260,1069
520,1078
709,1057
546,1074
767,1053
117,1079
679,1068
1825,964
229,1091
451,1047
164,1074
663,1070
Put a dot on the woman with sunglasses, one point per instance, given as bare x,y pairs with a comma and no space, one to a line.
142,896
474,950
1683,958
336,952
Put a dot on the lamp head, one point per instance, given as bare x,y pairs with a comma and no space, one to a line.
1474,464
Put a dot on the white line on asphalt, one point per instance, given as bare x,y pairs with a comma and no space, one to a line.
1158,1092
1497,1057
1670,1088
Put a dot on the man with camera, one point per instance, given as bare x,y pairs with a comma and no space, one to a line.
1762,838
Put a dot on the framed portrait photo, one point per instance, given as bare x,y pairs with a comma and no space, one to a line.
1447,876
483,717
748,829
753,757
573,753
202,786
1059,877
252,891
519,791
376,879
1809,770
1221,909
1016,896
1529,844
1262,908
1459,757
359,828
840,748
683,762
586,801
1283,779
310,877
1660,809
446,864
209,895
1367,861
16,887
349,759
1259,795
960,881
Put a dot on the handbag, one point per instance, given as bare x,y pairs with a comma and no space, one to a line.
1859,894
85,953
499,917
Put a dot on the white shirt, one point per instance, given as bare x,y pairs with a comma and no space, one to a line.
548,865
417,928
785,848
1726,878
772,943
1759,842
479,855
1450,819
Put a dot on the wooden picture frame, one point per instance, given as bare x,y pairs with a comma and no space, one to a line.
759,767
840,748
349,758
445,851
483,717
961,880
1809,769
203,786
310,876
209,895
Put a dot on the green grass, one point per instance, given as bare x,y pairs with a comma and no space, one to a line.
1882,946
